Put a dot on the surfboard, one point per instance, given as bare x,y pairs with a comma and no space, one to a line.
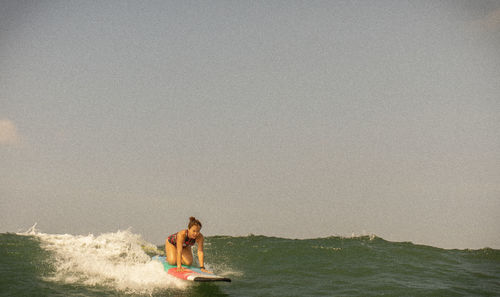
190,273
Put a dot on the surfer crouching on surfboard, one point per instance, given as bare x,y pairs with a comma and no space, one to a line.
178,246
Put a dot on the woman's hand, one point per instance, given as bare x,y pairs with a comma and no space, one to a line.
180,269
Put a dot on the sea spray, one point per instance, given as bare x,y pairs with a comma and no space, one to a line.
115,260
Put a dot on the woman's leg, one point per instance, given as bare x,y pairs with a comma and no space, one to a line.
171,251
186,256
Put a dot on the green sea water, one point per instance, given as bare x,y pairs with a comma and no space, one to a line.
119,264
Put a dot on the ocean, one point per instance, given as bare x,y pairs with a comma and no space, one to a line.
119,264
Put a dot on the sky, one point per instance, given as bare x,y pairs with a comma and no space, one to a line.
297,119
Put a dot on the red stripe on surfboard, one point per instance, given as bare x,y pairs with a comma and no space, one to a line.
181,274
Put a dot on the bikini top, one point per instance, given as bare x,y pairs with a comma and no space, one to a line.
187,241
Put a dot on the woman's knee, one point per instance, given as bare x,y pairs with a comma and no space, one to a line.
171,260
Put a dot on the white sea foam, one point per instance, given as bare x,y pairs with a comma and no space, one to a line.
353,235
115,260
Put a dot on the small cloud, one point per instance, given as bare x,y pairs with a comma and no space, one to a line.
8,133
489,23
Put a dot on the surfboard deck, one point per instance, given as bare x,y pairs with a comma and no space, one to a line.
190,273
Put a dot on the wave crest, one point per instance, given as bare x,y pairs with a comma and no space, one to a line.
116,260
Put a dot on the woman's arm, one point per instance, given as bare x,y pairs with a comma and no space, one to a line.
180,239
200,240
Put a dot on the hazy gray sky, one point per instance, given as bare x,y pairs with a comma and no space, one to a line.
286,118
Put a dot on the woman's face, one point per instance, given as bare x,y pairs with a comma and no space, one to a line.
194,231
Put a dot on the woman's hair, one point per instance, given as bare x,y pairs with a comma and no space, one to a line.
193,221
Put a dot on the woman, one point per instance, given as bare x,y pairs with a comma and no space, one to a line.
178,246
